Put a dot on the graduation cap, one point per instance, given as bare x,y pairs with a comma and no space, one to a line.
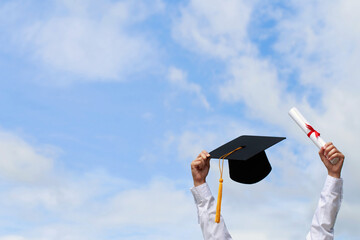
248,162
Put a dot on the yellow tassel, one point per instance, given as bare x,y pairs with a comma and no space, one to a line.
221,168
218,206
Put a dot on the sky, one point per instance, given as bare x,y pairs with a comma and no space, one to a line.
104,104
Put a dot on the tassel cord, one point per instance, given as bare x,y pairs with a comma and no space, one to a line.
219,199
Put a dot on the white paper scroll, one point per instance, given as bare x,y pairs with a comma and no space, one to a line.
308,129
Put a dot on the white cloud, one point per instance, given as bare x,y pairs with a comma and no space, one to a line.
255,82
178,78
22,162
151,205
12,237
151,211
90,205
320,39
252,80
92,40
216,28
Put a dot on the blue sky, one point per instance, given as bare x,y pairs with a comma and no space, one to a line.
104,106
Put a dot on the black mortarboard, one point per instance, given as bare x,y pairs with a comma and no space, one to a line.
248,164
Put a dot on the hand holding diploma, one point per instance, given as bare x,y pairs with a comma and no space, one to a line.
309,130
328,153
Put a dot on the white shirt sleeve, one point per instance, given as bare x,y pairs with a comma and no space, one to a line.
206,208
322,226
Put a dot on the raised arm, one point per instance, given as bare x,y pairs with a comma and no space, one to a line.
205,202
322,226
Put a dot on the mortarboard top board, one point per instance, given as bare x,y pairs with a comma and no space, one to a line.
249,164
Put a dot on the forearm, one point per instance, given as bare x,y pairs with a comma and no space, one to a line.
323,222
206,207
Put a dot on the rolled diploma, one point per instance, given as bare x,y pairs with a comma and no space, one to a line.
301,122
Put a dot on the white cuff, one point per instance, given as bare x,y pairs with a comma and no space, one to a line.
333,184
201,193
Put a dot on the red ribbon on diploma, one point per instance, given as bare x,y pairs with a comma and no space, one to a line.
312,130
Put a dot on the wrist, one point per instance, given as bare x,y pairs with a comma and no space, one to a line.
334,175
199,182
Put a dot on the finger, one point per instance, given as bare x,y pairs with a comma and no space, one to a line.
198,159
203,156
206,153
200,156
195,163
198,163
328,144
328,149
332,152
336,155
